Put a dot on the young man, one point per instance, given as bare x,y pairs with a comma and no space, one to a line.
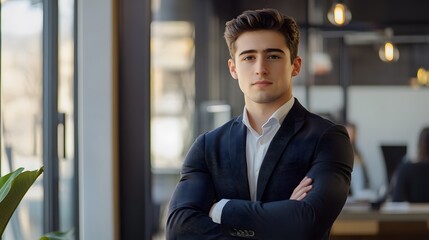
275,172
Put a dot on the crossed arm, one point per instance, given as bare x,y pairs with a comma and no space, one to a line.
212,230
298,194
308,218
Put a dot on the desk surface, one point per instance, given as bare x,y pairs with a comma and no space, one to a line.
388,212
393,221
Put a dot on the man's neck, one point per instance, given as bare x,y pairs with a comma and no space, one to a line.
259,114
257,119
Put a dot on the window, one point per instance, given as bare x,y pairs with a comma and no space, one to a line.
23,109
172,99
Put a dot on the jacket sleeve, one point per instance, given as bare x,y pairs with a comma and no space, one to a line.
190,204
312,217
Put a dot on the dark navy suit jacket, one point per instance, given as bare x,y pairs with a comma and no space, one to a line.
215,168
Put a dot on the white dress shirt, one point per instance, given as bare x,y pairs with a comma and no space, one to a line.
256,148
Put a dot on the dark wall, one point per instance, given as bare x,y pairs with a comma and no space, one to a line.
294,8
366,68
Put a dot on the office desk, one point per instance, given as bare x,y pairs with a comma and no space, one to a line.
392,221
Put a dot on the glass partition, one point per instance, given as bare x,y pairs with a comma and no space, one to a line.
21,107
172,100
66,109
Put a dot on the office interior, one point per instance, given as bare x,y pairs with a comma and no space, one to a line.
108,95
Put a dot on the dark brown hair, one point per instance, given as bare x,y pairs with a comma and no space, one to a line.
264,19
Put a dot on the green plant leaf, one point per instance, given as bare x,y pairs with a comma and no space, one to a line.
69,235
6,182
13,187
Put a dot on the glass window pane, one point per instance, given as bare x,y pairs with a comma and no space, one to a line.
172,91
173,101
66,109
21,107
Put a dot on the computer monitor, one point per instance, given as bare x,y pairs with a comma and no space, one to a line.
393,156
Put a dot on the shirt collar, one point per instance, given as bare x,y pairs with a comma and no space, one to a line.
278,116
282,112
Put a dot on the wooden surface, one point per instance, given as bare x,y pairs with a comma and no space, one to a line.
392,221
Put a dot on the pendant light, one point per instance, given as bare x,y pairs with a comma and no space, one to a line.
423,77
339,14
388,52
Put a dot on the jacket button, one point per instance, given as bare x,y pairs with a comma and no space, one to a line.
242,233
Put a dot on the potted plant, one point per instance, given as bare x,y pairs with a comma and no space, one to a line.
13,187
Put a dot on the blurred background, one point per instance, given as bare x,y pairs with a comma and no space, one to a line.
109,95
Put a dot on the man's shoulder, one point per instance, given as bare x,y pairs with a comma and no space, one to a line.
311,118
316,122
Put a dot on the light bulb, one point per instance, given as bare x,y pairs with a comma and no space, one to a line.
339,14
388,52
423,77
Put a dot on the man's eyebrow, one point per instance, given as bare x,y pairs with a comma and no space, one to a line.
265,50
247,51
274,50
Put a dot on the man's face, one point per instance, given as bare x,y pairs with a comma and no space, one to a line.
263,67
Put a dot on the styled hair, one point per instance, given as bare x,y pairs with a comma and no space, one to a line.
264,19
423,147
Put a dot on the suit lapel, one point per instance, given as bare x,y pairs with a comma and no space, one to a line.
238,165
291,125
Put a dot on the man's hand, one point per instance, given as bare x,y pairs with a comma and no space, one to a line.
302,189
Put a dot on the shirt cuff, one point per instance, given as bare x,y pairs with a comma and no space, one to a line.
216,210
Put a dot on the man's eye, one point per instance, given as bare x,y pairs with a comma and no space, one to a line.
273,57
247,58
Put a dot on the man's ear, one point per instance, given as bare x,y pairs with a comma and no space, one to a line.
232,69
296,66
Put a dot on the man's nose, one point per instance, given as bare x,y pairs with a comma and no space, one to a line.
261,67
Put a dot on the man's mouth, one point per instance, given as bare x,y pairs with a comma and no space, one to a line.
262,83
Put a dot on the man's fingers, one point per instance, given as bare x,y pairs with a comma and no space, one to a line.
302,196
304,179
302,189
